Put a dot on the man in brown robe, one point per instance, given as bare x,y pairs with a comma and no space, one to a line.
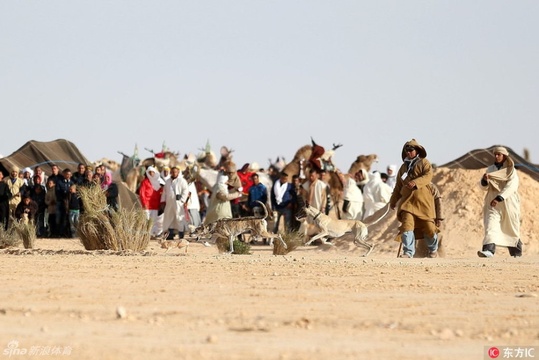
413,195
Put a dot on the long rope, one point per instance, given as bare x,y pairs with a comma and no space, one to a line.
381,217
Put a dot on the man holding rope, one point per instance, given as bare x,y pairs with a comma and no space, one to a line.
412,192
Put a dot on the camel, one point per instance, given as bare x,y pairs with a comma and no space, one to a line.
110,164
363,162
304,160
208,176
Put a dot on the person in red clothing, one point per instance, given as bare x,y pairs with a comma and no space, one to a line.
150,198
246,179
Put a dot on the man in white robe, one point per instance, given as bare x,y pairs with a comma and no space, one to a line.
316,191
376,194
391,176
174,195
352,197
501,209
219,207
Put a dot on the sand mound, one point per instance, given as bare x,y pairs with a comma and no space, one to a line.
462,228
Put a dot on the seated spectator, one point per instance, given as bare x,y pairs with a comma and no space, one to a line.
26,210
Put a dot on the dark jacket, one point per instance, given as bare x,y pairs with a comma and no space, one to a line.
5,193
38,193
74,202
257,192
30,209
112,196
62,189
289,197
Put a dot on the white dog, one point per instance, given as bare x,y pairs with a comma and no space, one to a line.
333,228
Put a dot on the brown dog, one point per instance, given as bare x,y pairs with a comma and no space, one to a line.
168,244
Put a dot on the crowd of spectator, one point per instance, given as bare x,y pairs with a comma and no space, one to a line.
52,202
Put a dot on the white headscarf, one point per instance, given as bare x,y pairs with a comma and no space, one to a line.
154,179
501,150
28,170
392,179
221,185
165,178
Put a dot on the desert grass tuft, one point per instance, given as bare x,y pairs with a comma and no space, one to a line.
132,229
240,248
8,238
26,230
292,239
101,228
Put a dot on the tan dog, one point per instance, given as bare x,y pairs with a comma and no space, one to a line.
307,229
231,228
168,244
336,228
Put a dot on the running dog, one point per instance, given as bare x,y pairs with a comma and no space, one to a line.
336,228
168,244
231,228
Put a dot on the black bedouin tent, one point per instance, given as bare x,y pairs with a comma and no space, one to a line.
59,152
482,158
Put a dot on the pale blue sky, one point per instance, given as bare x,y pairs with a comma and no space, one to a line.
263,76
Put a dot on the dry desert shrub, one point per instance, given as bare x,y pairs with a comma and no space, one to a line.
292,239
95,231
132,229
9,238
240,248
101,228
26,231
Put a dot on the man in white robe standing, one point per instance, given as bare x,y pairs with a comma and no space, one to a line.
175,193
376,194
391,176
501,208
353,198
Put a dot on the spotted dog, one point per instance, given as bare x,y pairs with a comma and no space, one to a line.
231,228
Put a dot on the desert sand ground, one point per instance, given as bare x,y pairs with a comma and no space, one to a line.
315,303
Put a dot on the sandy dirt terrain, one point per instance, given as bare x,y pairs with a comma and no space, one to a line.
313,303
317,302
